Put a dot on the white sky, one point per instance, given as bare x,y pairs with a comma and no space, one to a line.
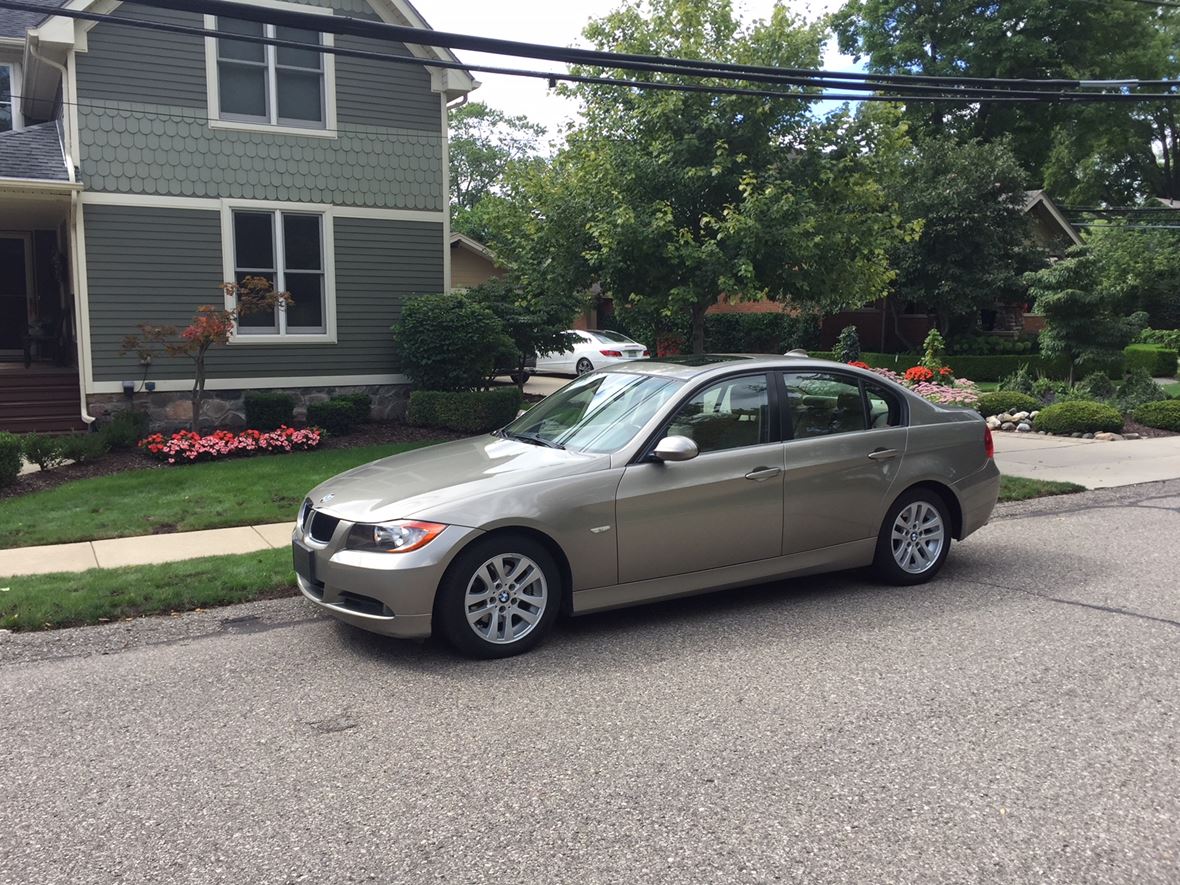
558,23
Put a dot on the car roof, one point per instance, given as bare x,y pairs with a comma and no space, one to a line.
688,367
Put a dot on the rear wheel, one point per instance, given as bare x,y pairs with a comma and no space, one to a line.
914,540
499,597
584,366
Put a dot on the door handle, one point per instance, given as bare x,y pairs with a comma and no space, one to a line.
760,473
883,454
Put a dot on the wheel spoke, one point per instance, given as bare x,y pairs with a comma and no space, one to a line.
527,616
511,574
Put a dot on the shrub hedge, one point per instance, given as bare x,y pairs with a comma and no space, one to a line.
1079,416
43,450
1163,415
337,416
267,410
126,429
1169,338
361,404
976,368
1156,360
9,458
464,411
83,447
1001,401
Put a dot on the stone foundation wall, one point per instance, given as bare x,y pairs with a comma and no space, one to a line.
225,409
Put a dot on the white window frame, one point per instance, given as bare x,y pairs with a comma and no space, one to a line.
14,81
213,82
229,268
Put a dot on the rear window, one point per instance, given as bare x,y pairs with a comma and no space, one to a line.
612,337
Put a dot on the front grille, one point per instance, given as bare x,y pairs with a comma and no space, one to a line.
322,526
304,513
365,605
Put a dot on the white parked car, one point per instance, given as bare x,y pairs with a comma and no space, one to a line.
591,349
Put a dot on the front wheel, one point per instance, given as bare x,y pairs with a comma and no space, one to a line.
914,540
499,597
584,366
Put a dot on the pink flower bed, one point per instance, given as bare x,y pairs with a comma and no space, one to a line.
959,393
185,446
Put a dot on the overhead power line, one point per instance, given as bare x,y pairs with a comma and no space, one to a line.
955,90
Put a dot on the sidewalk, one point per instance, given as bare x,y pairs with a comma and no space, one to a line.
142,550
1091,463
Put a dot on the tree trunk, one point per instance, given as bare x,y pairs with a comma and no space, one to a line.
198,390
698,327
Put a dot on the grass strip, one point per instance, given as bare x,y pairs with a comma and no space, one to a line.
1019,488
185,498
42,602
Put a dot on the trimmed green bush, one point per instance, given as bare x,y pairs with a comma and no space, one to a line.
9,458
42,450
125,429
334,415
1157,361
1079,416
848,345
361,403
1001,401
83,447
1163,415
464,411
268,410
448,342
1136,390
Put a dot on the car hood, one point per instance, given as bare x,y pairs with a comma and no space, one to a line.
412,483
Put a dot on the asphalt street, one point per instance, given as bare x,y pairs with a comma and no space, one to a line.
1016,721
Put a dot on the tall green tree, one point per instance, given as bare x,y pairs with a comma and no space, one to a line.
1081,152
484,142
666,200
1140,270
975,243
1083,322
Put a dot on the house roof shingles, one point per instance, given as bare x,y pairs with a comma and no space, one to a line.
14,23
33,152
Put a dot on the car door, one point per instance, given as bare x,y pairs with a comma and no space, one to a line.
552,361
723,507
844,444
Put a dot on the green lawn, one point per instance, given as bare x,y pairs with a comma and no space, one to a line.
987,386
1172,390
40,602
1017,488
245,491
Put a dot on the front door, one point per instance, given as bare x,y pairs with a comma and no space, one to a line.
16,289
724,507
844,449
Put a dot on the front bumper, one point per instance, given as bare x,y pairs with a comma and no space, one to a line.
387,593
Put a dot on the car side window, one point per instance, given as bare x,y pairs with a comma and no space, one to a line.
822,403
730,414
884,406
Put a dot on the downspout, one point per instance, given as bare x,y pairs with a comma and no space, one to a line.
75,271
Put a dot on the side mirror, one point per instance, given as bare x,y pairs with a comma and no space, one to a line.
675,448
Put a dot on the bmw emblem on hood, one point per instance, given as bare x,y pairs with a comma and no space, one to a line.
328,497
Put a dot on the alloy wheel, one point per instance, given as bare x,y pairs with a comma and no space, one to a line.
917,537
506,598
584,366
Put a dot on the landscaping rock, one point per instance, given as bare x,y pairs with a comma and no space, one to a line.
994,423
1131,436
1023,427
1019,416
1076,435
1007,425
1108,437
1087,436
1033,415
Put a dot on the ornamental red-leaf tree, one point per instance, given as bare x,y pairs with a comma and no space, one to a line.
210,327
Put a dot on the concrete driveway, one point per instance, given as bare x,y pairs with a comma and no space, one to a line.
1017,721
1092,463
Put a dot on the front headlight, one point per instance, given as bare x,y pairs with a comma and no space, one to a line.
401,536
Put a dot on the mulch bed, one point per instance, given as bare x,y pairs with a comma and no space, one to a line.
121,461
1144,431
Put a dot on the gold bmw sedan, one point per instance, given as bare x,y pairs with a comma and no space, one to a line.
647,481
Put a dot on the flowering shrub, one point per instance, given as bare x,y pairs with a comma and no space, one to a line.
858,364
959,392
918,374
185,446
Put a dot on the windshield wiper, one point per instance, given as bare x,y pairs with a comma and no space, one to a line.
531,438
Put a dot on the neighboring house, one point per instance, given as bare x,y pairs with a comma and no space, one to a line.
472,263
145,168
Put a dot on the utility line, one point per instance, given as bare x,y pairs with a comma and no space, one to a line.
815,79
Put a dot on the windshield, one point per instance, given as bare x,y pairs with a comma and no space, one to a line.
612,337
596,413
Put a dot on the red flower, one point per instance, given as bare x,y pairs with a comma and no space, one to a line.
858,364
918,374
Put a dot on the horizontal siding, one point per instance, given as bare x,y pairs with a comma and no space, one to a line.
159,265
136,65
377,93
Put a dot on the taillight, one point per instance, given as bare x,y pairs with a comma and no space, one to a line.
647,353
611,352
989,444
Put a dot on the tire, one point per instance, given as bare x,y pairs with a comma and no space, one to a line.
908,559
520,378
502,629
584,367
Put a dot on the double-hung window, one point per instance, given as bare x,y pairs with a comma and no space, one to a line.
272,85
286,248
7,97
